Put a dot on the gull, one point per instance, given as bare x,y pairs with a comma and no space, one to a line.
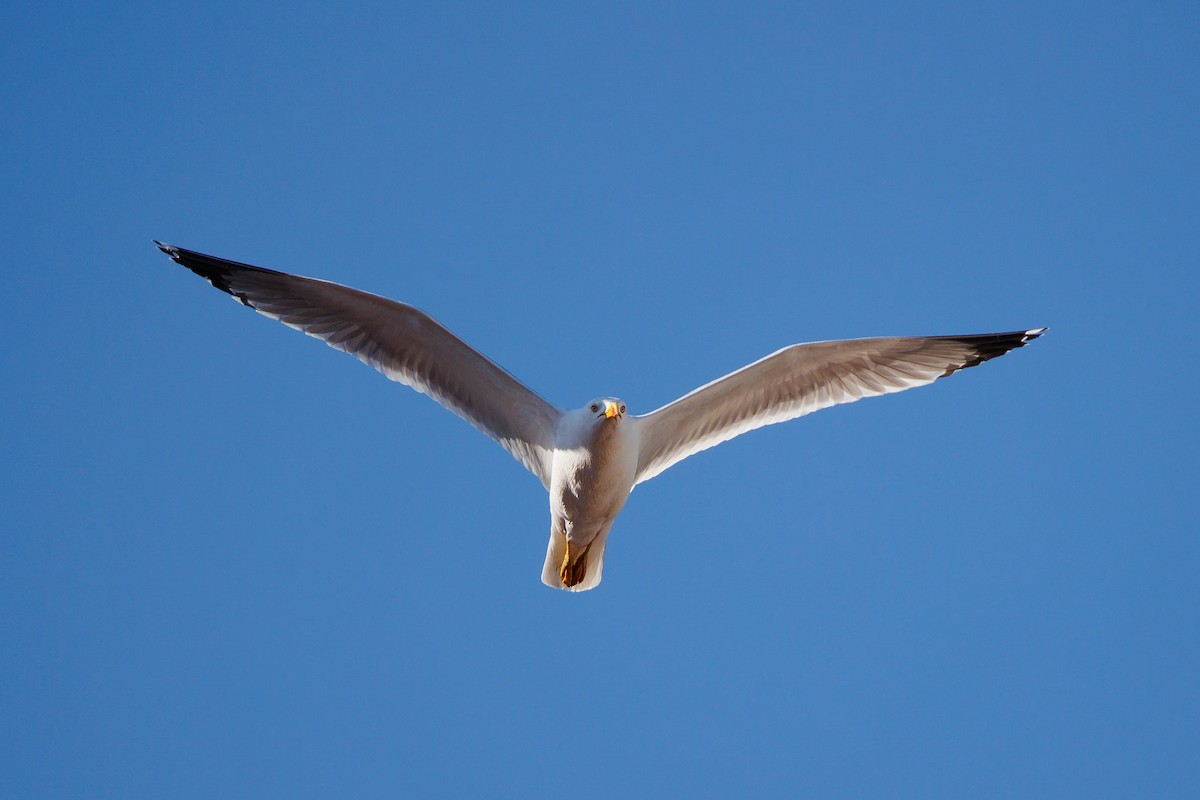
590,458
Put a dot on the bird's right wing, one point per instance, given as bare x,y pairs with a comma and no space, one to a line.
803,378
402,342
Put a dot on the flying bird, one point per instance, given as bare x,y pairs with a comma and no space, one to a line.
590,458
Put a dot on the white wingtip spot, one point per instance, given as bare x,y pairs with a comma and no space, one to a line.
1033,334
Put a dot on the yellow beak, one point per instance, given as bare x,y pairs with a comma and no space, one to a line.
611,411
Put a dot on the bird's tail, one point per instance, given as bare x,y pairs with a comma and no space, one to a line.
571,567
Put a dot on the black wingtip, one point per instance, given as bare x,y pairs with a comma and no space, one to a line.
217,271
214,270
990,345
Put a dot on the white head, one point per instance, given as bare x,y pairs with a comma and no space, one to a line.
600,419
606,409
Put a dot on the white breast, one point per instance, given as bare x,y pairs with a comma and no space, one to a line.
593,471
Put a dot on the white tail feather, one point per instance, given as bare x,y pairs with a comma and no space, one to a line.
593,561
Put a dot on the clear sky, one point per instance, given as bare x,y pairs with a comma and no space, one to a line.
235,563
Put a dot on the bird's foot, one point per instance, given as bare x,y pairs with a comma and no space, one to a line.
574,566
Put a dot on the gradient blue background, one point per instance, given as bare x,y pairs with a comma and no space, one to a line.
238,564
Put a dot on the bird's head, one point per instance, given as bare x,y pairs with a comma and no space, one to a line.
606,409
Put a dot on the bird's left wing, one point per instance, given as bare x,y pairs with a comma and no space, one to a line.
402,342
803,378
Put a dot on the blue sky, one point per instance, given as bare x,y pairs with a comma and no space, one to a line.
238,564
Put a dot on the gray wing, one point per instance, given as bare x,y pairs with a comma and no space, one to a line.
402,342
803,378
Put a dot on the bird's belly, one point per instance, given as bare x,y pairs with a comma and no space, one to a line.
586,497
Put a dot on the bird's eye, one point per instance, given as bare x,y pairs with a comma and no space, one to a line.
595,407
622,408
